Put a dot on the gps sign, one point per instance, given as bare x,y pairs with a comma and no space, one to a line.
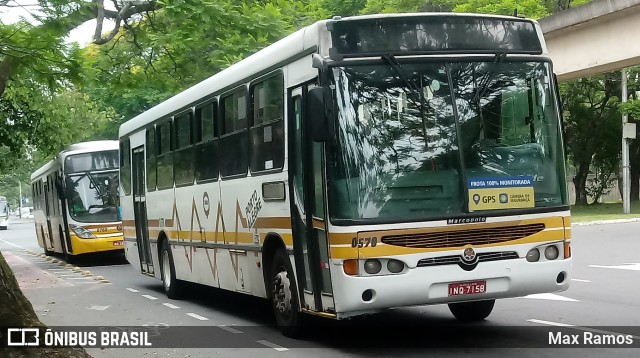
500,193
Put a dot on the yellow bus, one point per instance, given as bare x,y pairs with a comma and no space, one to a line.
75,199
359,164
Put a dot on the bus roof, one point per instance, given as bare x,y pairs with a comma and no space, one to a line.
77,148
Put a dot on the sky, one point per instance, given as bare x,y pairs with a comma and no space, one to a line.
17,8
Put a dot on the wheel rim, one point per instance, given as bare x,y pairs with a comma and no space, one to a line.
282,293
166,270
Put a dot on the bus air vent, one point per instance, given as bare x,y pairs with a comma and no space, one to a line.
460,238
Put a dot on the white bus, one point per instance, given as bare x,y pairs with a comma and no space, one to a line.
4,213
76,201
356,165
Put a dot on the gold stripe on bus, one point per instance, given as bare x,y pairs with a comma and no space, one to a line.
218,237
273,223
318,224
129,222
341,238
343,253
567,227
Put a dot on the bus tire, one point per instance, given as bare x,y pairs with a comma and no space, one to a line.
284,295
167,270
472,311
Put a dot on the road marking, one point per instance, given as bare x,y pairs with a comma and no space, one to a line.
14,245
197,316
272,345
229,329
150,297
132,289
79,278
170,305
586,329
578,280
549,323
99,308
550,296
632,267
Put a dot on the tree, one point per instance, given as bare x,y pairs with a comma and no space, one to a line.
179,46
592,128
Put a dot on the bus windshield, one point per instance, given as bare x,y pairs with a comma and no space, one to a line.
420,141
93,196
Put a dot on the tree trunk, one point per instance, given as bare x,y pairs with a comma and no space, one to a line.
16,311
580,183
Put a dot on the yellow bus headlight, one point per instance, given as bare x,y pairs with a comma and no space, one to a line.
82,232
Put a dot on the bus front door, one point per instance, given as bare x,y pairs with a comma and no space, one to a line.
311,250
140,211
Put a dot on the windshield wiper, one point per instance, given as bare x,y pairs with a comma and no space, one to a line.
95,184
392,62
482,88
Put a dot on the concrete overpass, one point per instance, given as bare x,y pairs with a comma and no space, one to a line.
600,36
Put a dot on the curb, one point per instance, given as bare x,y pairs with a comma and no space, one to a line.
602,222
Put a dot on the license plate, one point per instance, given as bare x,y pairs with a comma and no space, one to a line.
467,288
118,243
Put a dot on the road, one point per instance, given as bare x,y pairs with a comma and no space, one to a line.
603,299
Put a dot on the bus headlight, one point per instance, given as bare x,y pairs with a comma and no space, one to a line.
372,266
533,255
395,266
82,232
551,252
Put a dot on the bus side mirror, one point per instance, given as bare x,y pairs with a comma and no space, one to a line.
320,113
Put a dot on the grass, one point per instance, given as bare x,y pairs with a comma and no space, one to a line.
606,211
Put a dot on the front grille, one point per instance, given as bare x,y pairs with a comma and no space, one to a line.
461,238
457,259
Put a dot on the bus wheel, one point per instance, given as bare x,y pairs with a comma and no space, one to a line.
284,295
167,269
472,311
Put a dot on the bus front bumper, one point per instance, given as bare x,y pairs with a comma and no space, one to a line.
430,285
99,244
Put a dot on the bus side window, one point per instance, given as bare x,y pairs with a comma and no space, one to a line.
206,135
151,150
234,140
165,156
183,163
267,132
